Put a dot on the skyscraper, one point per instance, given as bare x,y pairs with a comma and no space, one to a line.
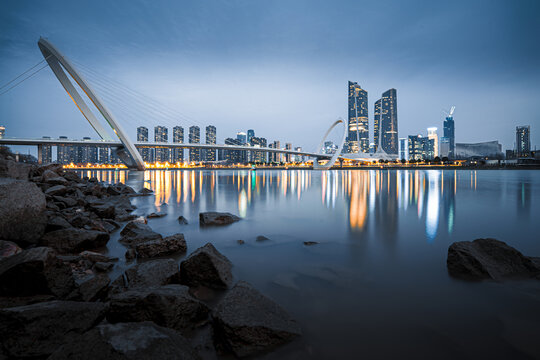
250,135
142,136
210,154
258,156
449,133
432,134
420,148
358,135
2,131
194,138
161,135
388,122
376,123
45,155
523,140
178,138
288,157
276,157
103,152
403,149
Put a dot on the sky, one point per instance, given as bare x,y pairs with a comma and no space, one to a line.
279,67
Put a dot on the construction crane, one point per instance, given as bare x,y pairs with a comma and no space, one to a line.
451,112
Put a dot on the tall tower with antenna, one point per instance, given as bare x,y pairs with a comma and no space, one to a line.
449,132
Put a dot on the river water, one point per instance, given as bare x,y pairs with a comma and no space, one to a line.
376,285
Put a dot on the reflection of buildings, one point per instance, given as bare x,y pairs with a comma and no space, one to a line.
523,199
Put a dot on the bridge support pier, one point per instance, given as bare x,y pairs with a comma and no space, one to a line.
40,154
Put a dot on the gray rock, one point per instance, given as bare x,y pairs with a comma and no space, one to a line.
309,243
37,330
74,240
91,288
261,238
213,218
51,177
104,211
247,322
207,267
166,246
135,233
182,220
145,191
56,222
130,254
489,259
14,170
8,248
103,266
170,306
240,242
156,215
56,168
22,211
56,190
68,202
35,271
132,341
97,257
149,273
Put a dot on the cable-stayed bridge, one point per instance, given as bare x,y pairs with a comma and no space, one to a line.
140,107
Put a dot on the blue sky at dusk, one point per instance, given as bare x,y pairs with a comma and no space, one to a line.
281,67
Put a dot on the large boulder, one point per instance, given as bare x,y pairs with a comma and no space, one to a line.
14,170
133,341
489,259
207,267
51,177
8,248
213,218
22,211
171,306
91,288
37,330
247,322
166,246
35,271
57,190
74,240
136,232
150,273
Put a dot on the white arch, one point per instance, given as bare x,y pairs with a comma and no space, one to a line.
331,162
128,153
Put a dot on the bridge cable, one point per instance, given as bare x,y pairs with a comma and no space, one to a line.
24,79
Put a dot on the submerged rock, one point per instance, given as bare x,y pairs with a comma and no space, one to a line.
247,322
74,240
33,272
213,218
309,243
207,267
166,246
171,306
136,341
182,220
37,330
261,238
22,211
156,215
489,259
150,273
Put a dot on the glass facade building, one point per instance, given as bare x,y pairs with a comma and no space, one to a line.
376,124
142,136
358,125
448,133
523,141
210,154
389,122
194,138
161,135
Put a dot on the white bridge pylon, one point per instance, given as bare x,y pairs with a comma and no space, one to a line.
333,159
127,152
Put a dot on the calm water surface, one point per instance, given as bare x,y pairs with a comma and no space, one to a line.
376,285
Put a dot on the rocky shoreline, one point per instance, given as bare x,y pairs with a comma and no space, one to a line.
57,300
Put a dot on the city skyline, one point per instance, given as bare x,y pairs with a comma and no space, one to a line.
438,70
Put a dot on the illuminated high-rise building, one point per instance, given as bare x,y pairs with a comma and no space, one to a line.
142,136
161,135
403,149
358,126
449,133
103,153
432,134
250,135
376,124
389,122
288,157
45,155
420,148
258,156
178,138
2,131
210,154
194,138
276,157
523,140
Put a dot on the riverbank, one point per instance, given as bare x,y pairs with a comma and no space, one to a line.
56,284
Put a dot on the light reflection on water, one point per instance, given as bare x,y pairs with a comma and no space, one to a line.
368,194
376,284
